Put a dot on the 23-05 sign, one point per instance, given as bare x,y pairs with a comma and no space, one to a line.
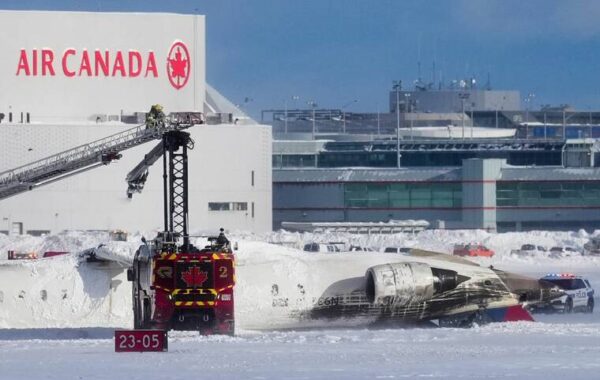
141,340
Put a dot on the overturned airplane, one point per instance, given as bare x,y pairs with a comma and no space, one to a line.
372,288
281,288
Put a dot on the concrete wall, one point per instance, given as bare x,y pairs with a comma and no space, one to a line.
220,170
50,67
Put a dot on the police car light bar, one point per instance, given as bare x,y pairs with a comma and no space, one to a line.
560,275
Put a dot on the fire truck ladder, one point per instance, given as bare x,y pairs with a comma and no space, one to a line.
173,149
88,156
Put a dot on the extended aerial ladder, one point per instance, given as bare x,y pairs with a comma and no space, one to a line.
179,286
88,156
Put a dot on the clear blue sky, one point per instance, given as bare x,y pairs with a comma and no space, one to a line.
335,51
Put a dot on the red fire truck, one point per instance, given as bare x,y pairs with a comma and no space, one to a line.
177,286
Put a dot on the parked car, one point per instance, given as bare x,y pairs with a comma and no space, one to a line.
579,294
358,248
321,247
472,250
340,246
564,252
530,250
403,250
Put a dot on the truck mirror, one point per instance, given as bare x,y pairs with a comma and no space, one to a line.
235,246
129,274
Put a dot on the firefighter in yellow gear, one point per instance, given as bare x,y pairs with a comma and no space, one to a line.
155,117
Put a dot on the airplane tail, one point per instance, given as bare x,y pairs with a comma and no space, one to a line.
509,314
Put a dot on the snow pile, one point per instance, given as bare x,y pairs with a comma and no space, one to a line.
64,291
60,292
436,240
51,327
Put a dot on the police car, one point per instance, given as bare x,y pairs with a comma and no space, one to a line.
579,294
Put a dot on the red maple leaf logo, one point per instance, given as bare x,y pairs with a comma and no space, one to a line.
178,65
194,277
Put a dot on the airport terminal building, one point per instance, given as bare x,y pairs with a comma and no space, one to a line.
70,78
336,166
482,193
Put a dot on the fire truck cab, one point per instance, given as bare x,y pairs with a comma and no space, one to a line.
179,288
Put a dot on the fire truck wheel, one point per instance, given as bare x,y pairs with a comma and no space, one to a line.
137,315
146,314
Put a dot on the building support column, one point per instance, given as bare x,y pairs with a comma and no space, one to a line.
479,178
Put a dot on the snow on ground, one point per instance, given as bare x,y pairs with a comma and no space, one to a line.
517,350
557,346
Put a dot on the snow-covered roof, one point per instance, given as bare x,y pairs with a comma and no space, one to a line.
298,147
549,173
367,175
509,173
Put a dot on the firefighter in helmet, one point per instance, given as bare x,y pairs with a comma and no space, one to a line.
155,117
222,240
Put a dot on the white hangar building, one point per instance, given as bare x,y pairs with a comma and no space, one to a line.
70,78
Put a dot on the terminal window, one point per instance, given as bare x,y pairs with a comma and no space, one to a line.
403,195
227,206
546,193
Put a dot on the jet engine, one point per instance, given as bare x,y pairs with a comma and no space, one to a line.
400,284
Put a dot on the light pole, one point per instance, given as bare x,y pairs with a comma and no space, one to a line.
407,110
313,104
378,122
471,106
397,85
463,96
564,122
527,101
344,115
285,102
496,117
590,120
285,117
545,127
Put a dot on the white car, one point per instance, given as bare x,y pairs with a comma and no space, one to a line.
579,294
530,250
401,250
357,248
321,247
564,252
